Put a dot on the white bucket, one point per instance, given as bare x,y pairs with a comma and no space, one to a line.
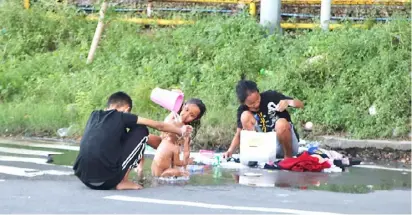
257,147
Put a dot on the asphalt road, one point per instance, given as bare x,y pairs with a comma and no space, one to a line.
64,194
69,196
30,186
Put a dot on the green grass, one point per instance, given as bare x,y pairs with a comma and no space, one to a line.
45,83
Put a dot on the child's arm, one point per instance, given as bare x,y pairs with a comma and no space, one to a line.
154,141
167,127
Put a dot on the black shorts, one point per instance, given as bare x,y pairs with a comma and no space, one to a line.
134,144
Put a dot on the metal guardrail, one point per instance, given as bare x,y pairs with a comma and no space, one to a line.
252,11
188,22
166,22
93,10
310,2
26,4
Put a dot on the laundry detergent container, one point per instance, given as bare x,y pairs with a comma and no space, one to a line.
257,147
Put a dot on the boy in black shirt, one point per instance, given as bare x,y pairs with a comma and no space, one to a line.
266,112
108,150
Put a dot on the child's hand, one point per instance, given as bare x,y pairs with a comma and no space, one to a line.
190,161
186,130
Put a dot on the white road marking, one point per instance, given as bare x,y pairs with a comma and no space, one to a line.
27,151
30,172
29,160
214,206
24,159
382,167
2,180
45,145
149,151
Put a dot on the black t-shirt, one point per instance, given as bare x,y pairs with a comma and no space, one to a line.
101,145
266,116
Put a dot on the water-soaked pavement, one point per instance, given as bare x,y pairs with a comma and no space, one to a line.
215,190
354,180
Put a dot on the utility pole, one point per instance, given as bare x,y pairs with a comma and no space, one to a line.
325,9
270,15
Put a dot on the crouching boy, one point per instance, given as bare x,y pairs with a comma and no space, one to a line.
113,141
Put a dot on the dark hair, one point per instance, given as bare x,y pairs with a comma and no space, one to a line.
244,88
196,123
120,98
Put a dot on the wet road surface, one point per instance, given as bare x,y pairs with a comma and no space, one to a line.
29,185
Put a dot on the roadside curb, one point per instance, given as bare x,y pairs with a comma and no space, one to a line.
343,143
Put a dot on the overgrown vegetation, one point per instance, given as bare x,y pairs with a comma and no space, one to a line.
45,83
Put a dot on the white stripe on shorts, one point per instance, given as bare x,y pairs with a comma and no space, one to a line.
140,147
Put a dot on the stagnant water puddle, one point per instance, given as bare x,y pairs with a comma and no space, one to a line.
353,180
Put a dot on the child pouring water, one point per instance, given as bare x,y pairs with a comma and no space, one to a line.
108,150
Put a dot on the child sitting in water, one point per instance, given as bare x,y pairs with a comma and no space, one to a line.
167,161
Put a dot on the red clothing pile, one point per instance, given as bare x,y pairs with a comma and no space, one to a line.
303,163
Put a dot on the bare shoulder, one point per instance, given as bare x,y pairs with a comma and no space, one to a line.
170,118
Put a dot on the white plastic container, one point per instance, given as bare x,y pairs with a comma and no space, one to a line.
257,147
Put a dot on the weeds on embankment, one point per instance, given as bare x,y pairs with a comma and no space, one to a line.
45,83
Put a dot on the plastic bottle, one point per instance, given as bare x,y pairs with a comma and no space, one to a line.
217,173
265,72
216,160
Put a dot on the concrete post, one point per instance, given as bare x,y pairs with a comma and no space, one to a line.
325,10
270,16
149,8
